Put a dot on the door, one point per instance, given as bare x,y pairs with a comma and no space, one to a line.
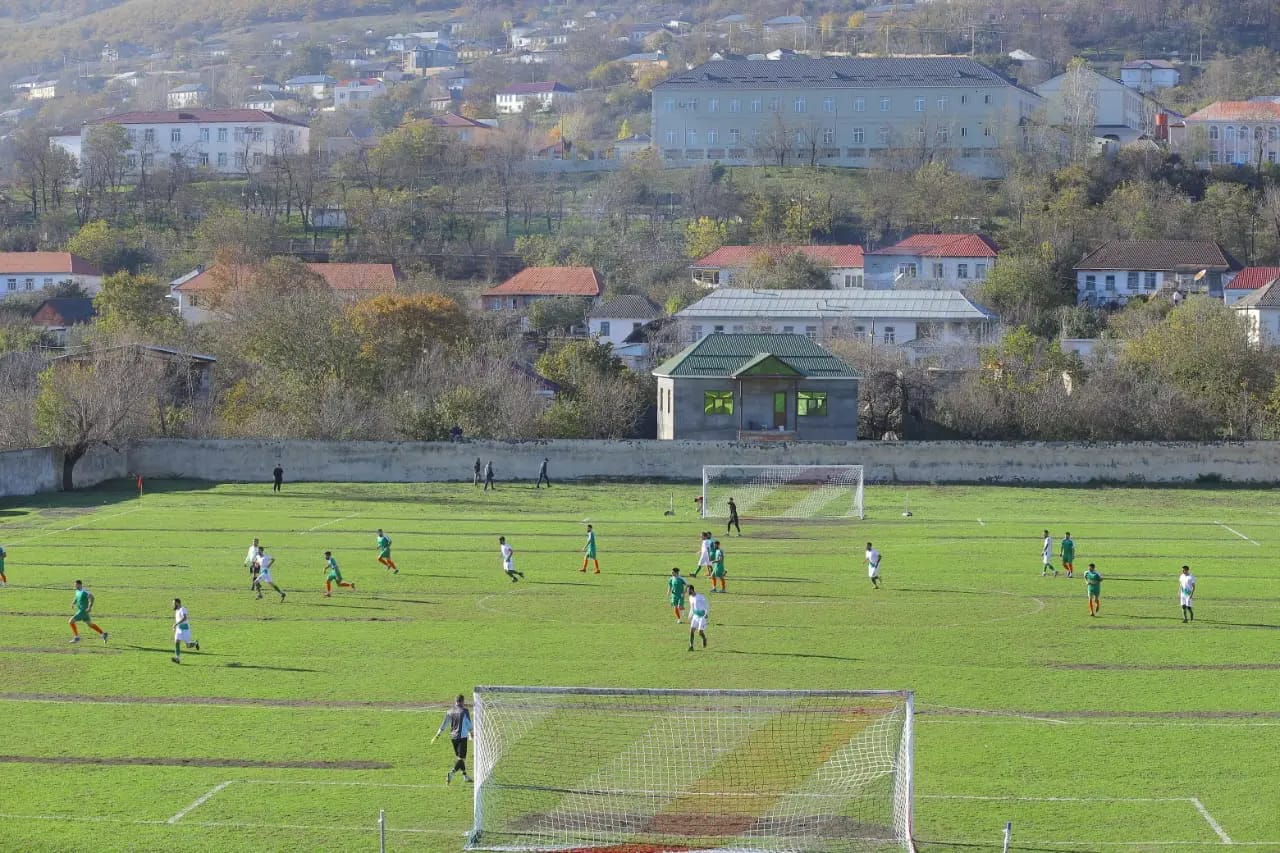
780,410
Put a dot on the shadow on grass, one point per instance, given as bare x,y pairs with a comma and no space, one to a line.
238,665
1206,622
791,655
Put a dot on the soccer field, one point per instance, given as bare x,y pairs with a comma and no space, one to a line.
298,721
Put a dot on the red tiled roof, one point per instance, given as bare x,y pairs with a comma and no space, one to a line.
1238,111
943,246
195,116
344,277
549,281
740,257
1251,278
24,263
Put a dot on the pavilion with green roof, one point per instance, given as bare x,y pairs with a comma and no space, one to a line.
757,387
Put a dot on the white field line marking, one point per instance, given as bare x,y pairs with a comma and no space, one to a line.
1237,532
983,720
79,817
200,801
230,823
74,526
1013,799
981,523
330,521
987,714
1090,844
1213,824
293,709
352,784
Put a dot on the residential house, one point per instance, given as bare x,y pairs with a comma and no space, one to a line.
728,263
1119,270
68,142
1247,281
793,29
1241,133
462,128
197,295
356,94
285,39
728,387
27,272
642,32
1121,113
852,112
272,102
1261,309
317,87
532,97
1149,75
921,321
189,375
56,316
534,283
644,61
223,141
425,57
538,40
470,51
932,260
402,42
613,320
187,95
46,90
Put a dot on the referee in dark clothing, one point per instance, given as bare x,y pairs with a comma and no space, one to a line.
458,721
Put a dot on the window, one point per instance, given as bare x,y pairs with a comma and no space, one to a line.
811,404
919,105
828,137
788,330
1111,283
799,105
1149,280
859,331
942,105
696,332
671,137
193,300
883,134
944,134
1091,282
258,157
964,131
859,105
908,271
1213,131
131,160
828,105
766,329
938,271
986,99
204,134
222,159
811,332
802,138
29,284
853,280
962,270
889,335
149,135
735,105
1272,133
713,105
222,134
980,271
1231,133
755,105
239,159
668,106
148,160
717,402
175,135
48,282
884,105
713,137
859,136
737,330
775,105
1131,281
690,138
1213,156
12,284
986,131
604,328
734,136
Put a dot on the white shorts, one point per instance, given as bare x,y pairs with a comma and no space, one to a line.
264,577
509,566
704,562
1048,561
697,623
873,571
180,635
1185,599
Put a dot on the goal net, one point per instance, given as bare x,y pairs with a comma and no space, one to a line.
718,771
783,491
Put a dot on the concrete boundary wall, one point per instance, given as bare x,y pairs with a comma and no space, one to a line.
28,472
899,462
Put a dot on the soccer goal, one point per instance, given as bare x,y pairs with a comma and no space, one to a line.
783,491
718,771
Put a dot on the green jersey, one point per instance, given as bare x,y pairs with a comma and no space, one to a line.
384,545
717,562
676,585
591,543
83,600
1093,581
1068,551
331,565
2,556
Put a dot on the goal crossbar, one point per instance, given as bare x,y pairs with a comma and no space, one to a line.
616,770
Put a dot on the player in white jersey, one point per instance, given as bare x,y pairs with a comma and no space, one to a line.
508,560
251,562
704,554
181,631
1186,591
1046,556
873,565
265,562
698,613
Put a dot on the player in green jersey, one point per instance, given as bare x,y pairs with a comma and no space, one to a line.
1069,555
384,552
332,575
675,586
589,550
1093,585
83,604
717,566
4,579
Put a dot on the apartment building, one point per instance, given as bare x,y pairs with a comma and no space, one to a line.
1241,133
223,141
851,112
1120,113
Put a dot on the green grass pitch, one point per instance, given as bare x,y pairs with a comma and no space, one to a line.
298,721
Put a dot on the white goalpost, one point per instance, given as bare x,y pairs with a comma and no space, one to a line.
600,770
783,491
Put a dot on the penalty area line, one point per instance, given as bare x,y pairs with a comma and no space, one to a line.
200,801
1237,532
330,521
1208,818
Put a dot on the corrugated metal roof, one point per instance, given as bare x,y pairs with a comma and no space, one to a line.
722,355
870,304
836,73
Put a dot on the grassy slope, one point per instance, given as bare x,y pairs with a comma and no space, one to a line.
965,620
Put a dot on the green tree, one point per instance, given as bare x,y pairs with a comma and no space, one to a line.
559,314
394,330
791,271
1025,290
135,303
310,58
703,236
105,247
